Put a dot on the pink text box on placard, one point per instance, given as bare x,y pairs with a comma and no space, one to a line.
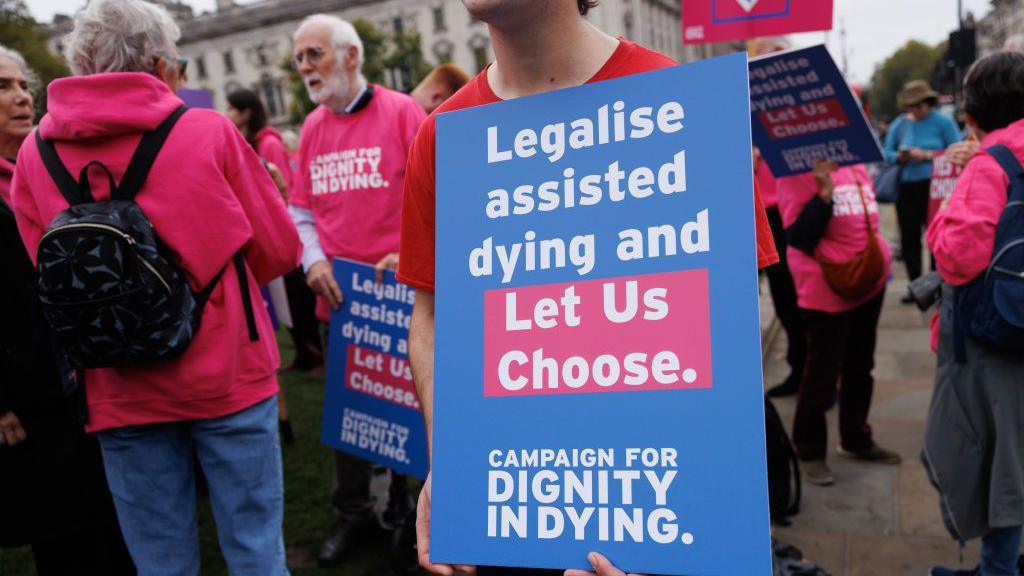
626,334
803,119
380,376
724,20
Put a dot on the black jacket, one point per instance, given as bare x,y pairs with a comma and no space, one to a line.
49,482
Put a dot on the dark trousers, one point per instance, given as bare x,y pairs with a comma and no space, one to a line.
840,349
364,492
95,545
912,212
780,284
100,549
305,328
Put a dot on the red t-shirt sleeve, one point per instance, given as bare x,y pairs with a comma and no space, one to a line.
766,254
416,260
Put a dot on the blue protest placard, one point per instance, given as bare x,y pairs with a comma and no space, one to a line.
370,406
597,352
802,110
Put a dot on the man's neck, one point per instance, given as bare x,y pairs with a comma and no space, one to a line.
340,104
558,51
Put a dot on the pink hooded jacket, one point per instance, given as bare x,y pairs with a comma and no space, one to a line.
207,196
963,234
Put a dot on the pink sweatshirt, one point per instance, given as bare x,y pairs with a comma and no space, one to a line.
845,237
352,173
207,196
271,148
963,235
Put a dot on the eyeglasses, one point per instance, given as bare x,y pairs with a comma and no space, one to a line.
182,66
312,54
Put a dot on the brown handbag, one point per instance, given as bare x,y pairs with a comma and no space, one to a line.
857,277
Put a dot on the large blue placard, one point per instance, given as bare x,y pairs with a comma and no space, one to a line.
802,110
370,406
597,344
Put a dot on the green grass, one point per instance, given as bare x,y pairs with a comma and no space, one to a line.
308,517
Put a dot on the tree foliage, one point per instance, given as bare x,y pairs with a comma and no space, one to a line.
399,52
20,32
913,61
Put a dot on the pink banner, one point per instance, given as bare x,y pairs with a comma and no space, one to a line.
944,177
723,20
649,332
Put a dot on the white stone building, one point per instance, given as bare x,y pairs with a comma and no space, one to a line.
1005,19
244,45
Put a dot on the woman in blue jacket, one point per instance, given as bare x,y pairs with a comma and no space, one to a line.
914,139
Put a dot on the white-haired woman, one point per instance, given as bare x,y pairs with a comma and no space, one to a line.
53,494
208,200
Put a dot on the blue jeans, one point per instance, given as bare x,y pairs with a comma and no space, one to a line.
152,478
999,551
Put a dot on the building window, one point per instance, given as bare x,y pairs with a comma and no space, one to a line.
443,50
261,55
270,95
439,25
398,25
478,46
201,67
627,24
229,61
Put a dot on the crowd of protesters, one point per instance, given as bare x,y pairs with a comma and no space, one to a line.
105,460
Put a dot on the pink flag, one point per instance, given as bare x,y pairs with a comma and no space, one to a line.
724,20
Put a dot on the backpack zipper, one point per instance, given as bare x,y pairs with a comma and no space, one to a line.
118,232
106,228
154,272
998,256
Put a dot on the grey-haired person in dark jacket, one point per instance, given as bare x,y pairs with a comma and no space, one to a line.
53,493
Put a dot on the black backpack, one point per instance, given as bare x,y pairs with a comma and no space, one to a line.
107,284
783,468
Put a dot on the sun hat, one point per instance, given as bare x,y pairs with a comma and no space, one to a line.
917,91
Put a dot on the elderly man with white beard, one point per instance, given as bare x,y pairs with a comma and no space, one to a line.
352,158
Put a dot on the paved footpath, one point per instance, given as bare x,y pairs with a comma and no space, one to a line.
878,520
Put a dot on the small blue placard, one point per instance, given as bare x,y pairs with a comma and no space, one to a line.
802,110
597,370
370,407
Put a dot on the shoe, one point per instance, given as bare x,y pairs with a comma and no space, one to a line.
789,387
940,571
335,549
817,472
875,454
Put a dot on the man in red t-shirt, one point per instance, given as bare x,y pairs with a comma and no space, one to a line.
539,45
352,161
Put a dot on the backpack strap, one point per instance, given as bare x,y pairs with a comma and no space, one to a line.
1008,162
243,284
65,182
145,154
238,260
83,180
